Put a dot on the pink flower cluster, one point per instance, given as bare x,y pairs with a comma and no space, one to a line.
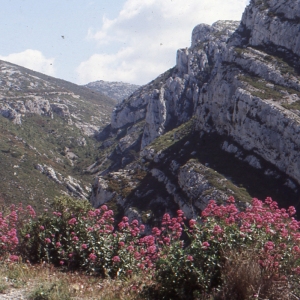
8,233
261,219
9,226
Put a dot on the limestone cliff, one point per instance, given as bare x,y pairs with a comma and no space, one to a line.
234,93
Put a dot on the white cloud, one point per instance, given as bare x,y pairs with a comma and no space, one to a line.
146,35
32,59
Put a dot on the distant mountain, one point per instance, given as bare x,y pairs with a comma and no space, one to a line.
116,90
47,135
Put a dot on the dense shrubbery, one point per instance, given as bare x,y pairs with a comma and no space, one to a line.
226,253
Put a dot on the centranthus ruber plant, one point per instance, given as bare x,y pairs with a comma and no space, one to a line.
268,234
10,223
261,242
229,252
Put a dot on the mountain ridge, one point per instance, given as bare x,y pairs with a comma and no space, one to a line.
230,86
114,89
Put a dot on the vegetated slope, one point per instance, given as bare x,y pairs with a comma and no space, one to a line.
47,135
115,90
224,121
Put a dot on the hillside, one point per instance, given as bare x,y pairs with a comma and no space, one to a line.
224,121
115,90
48,128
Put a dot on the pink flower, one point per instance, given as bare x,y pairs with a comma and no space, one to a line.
91,213
61,262
268,200
205,245
84,246
297,270
190,258
75,238
156,231
121,244
282,245
230,199
217,229
135,223
192,223
14,240
72,221
116,259
47,241
58,244
130,248
27,235
291,210
121,225
92,257
42,227
180,213
104,207
269,246
296,249
167,240
31,211
14,258
151,249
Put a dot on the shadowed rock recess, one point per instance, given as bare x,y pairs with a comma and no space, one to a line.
224,121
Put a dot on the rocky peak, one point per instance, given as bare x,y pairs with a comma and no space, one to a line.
272,23
226,115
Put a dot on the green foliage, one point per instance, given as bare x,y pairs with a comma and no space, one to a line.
170,138
54,291
263,92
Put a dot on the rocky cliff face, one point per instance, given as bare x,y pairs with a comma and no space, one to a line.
230,106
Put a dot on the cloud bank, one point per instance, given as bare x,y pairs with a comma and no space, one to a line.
146,34
32,59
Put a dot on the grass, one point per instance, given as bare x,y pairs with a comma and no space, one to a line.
295,105
168,139
264,92
44,282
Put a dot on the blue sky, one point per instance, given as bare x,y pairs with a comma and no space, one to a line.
117,40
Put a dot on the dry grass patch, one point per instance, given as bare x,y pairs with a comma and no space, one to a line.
45,282
244,279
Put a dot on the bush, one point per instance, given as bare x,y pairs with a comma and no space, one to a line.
225,254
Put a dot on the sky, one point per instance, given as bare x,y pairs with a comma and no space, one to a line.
113,40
